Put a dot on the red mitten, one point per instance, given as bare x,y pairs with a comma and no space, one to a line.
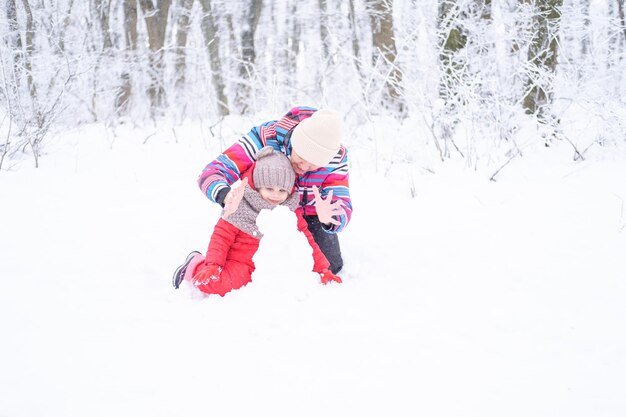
205,274
327,276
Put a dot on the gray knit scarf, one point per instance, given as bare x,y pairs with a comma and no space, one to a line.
244,218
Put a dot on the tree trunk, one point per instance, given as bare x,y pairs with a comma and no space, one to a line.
182,33
10,89
485,9
130,24
287,34
248,55
385,53
542,55
156,18
248,51
295,30
30,49
324,34
212,42
66,23
125,90
622,17
356,51
453,39
102,9
13,38
585,41
232,39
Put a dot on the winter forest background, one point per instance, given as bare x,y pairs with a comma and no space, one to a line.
484,262
463,76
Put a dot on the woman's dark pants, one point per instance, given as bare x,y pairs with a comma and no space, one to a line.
328,243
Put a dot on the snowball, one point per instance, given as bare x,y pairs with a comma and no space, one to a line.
284,260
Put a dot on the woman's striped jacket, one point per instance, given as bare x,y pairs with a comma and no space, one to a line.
221,173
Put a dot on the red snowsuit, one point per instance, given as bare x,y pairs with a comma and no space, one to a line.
233,249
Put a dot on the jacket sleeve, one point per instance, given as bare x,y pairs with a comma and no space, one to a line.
333,177
222,239
338,182
227,168
320,263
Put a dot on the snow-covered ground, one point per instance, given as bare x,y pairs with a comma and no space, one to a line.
474,298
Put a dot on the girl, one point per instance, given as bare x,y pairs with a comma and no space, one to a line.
228,263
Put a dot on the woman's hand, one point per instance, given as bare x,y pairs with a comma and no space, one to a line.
326,209
233,198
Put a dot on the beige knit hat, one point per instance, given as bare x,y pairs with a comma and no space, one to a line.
273,169
318,138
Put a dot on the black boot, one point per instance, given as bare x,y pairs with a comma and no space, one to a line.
179,275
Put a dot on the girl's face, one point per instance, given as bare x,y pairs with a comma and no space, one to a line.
300,165
273,195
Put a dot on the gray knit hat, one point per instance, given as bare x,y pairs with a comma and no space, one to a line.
273,169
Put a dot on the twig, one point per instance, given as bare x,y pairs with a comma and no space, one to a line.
149,136
432,132
220,120
5,149
578,155
493,177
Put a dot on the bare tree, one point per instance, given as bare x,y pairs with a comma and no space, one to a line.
622,16
9,93
248,54
130,24
212,41
324,33
356,50
453,39
13,37
125,90
453,17
102,11
13,41
66,24
295,31
585,41
30,49
32,111
385,53
542,58
156,17
182,33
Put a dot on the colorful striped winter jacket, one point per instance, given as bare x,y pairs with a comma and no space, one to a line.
221,173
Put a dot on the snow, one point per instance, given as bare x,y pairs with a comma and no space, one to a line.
474,298
284,258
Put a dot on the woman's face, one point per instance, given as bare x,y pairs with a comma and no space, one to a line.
273,195
300,165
